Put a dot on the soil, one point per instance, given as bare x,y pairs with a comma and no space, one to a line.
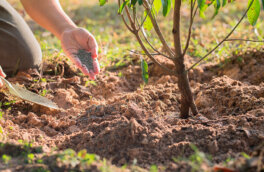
119,119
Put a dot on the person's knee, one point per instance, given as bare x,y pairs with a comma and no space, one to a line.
30,57
18,55
19,49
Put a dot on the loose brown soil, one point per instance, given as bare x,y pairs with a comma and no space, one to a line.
121,120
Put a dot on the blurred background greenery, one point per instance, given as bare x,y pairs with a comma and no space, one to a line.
115,41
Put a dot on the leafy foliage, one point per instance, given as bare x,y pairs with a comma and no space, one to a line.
152,8
122,7
144,68
253,12
102,2
202,7
166,4
6,158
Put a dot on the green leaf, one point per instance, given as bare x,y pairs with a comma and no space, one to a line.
102,2
253,12
201,4
245,155
154,10
140,2
157,6
144,68
120,10
224,3
147,24
217,6
166,7
262,3
133,2
202,7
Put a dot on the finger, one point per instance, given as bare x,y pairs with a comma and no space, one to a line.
94,49
92,75
91,44
84,70
96,67
2,73
87,40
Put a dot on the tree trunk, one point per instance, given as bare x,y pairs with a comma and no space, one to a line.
187,101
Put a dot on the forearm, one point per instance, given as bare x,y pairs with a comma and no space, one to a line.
49,14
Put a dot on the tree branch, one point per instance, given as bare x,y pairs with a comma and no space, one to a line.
130,19
157,30
136,33
247,40
220,43
143,21
176,30
153,54
192,14
169,71
146,39
128,27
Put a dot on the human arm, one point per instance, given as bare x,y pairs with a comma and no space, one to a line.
50,15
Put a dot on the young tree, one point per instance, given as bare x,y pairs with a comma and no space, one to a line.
128,9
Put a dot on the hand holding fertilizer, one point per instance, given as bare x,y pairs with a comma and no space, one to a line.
87,61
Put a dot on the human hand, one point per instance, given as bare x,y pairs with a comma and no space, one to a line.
76,39
3,75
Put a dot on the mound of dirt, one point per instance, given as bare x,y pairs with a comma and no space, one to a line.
119,119
247,68
126,128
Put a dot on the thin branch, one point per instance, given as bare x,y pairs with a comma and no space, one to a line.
169,71
157,30
128,27
134,52
192,14
154,54
195,11
134,29
136,33
143,21
247,40
146,39
229,34
124,20
134,14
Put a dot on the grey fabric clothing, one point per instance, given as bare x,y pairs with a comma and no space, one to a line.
19,50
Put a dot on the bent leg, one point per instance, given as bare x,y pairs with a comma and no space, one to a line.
19,50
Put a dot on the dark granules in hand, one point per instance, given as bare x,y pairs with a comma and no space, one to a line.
86,59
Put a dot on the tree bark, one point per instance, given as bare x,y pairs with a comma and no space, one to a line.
187,101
